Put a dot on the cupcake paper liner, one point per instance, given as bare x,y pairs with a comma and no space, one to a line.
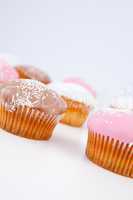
76,113
27,122
110,154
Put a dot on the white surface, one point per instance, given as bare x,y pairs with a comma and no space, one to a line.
57,169
92,39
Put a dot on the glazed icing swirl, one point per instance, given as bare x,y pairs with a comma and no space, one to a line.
30,93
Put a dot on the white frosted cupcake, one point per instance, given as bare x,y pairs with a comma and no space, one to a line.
122,102
79,98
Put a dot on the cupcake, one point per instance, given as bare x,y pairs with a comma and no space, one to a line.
7,72
124,102
79,101
30,72
29,109
110,140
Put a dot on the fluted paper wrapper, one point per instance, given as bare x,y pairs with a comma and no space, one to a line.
110,154
76,113
27,122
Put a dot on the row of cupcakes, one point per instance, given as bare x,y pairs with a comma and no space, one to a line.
78,95
31,105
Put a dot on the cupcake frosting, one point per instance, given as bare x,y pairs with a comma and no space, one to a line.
30,93
7,72
73,91
33,73
83,84
113,123
122,103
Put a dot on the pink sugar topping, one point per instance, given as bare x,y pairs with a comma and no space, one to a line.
7,72
81,83
115,124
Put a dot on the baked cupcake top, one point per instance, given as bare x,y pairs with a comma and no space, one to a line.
30,93
7,72
114,123
73,91
31,72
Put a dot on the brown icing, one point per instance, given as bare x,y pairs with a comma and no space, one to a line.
30,72
30,93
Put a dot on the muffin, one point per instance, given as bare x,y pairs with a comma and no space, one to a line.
110,140
7,72
79,102
29,109
30,72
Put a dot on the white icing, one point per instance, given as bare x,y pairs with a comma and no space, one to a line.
123,103
103,110
74,92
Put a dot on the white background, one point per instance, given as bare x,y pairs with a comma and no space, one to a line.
91,39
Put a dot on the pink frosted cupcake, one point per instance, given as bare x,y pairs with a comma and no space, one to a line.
110,140
7,72
79,98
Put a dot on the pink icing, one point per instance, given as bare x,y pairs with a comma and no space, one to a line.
81,83
117,125
7,72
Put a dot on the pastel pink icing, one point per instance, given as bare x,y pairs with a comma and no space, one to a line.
115,124
7,72
81,83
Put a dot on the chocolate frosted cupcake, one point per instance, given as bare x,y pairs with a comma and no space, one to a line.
30,72
29,109
110,140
